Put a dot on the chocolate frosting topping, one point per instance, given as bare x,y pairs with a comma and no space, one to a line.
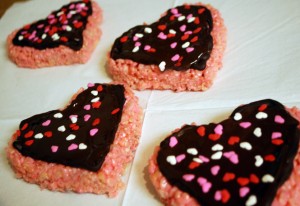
179,40
62,27
242,160
78,136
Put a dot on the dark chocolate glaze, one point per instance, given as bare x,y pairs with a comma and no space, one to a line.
186,28
102,115
62,27
277,153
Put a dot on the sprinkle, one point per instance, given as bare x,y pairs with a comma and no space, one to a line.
244,191
44,36
94,92
95,99
190,20
148,30
135,49
181,18
29,142
237,116
172,31
54,148
179,158
139,35
86,117
48,134
73,118
46,123
174,11
257,132
252,200
82,146
162,66
61,128
28,134
55,37
261,115
185,45
189,49
276,135
93,131
218,129
72,147
215,170
217,155
20,38
161,35
171,159
68,28
183,28
173,45
245,125
279,119
246,145
137,44
217,147
232,156
267,178
60,13
173,142
91,84
188,177
175,57
258,160
70,137
204,159
147,47
204,184
192,151
87,107
38,136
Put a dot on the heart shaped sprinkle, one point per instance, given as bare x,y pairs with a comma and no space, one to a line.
62,27
245,165
72,136
176,41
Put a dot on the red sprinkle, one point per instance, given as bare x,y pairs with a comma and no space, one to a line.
96,122
194,39
28,134
228,177
99,88
262,107
24,126
115,111
201,131
96,105
197,30
77,25
124,39
48,134
162,27
64,39
225,196
214,137
254,179
277,141
243,181
269,158
201,10
29,142
233,140
185,37
197,20
193,165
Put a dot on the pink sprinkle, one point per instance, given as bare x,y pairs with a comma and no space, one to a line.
279,119
46,123
232,156
175,57
183,28
189,16
276,135
86,117
147,47
219,129
173,141
93,131
137,44
201,180
40,26
204,159
47,29
161,35
215,169
245,124
173,45
52,21
51,16
189,49
244,191
72,6
188,177
206,187
54,148
135,38
218,196
174,11
179,158
72,147
87,107
69,15
91,84
188,32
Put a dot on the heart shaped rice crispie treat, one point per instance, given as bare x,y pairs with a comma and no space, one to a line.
183,50
249,159
84,147
66,36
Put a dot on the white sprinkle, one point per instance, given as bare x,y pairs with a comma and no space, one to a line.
59,13
58,115
190,20
95,99
217,155
135,49
172,31
246,145
73,119
185,45
139,35
181,18
44,36
68,28
148,30
192,151
61,128
217,147
38,136
82,146
197,160
55,37
20,38
70,137
261,115
82,5
72,12
267,178
94,92
257,132
252,200
258,160
237,116
162,66
171,159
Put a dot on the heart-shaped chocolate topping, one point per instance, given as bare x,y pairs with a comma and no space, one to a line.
62,27
78,136
179,40
242,160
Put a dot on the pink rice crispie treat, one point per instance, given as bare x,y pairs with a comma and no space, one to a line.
252,158
84,147
182,51
67,36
